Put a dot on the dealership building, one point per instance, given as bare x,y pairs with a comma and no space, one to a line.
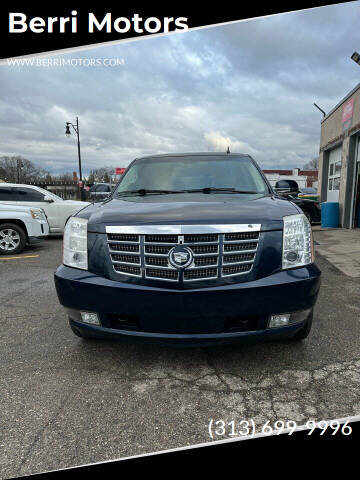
339,163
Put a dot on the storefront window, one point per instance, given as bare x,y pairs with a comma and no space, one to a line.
334,175
336,183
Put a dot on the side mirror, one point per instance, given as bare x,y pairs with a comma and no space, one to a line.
48,199
286,186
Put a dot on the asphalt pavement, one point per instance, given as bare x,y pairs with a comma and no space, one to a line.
67,402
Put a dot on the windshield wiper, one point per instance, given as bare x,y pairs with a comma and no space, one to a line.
143,191
215,189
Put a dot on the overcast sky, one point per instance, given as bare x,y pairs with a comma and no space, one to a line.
250,85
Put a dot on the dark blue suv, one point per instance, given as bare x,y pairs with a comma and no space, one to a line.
190,248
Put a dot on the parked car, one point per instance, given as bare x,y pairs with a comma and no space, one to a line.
56,209
190,248
290,190
20,226
100,191
310,193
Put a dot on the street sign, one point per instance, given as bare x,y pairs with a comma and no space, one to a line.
119,171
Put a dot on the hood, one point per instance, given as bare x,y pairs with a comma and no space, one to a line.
161,210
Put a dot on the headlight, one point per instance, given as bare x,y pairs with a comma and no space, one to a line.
38,213
75,243
298,247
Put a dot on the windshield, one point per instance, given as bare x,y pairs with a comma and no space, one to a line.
50,194
174,174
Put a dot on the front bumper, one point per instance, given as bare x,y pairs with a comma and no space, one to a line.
38,229
208,315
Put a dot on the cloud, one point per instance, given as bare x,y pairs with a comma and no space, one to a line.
250,85
220,143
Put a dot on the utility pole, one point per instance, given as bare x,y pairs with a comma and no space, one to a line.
18,169
68,133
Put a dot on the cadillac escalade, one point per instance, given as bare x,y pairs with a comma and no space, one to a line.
190,248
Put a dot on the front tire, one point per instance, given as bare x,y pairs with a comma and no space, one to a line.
12,239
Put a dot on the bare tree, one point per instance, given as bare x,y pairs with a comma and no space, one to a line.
17,169
101,174
313,164
2,174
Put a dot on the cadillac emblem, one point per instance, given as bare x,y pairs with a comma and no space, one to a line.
180,256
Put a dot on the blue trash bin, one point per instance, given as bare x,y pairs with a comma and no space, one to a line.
330,214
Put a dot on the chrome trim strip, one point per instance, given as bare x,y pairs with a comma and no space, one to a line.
124,251
162,267
232,252
126,273
247,240
123,241
182,229
198,279
162,278
118,262
228,264
162,244
234,274
203,267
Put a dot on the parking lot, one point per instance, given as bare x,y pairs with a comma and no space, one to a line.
65,401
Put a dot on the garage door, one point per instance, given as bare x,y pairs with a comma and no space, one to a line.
334,171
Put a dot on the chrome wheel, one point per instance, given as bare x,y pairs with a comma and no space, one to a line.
9,239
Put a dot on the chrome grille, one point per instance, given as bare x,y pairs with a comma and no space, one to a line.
115,257
242,257
204,273
162,274
123,237
124,247
205,249
127,269
223,251
200,261
157,249
237,247
161,238
236,269
208,238
158,261
231,237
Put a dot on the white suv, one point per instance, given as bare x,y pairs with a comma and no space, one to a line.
56,209
20,226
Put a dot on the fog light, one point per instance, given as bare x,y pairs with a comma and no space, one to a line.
292,257
279,320
90,317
